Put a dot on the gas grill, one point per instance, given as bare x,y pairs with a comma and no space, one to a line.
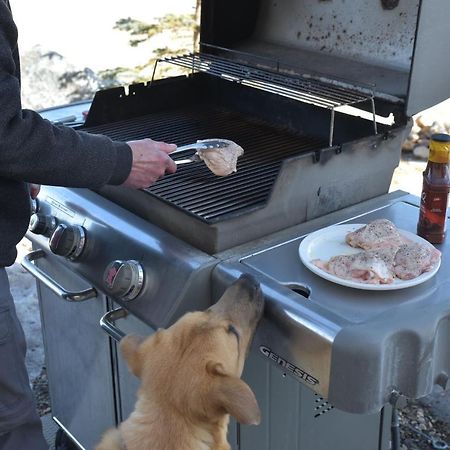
321,101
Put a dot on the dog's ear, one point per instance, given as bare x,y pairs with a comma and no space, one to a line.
129,347
234,396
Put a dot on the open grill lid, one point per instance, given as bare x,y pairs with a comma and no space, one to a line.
396,46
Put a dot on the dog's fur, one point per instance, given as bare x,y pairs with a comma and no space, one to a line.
190,377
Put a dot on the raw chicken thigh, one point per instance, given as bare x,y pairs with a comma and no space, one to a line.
221,161
413,259
387,255
377,234
365,267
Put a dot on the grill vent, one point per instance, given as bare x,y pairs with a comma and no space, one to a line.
321,406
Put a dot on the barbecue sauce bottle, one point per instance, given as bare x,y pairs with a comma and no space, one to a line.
436,185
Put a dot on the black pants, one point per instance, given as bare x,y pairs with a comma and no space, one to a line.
20,426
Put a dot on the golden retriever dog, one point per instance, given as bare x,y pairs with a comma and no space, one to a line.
190,377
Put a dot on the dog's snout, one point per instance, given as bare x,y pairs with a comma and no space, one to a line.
250,284
249,281
244,296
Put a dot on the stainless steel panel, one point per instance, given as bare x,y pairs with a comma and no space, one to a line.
429,83
78,359
176,275
295,418
364,31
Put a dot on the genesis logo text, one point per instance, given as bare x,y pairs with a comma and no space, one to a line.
294,370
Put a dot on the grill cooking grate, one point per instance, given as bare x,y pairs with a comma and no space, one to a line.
194,189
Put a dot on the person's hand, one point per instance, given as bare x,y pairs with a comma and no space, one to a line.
34,190
150,162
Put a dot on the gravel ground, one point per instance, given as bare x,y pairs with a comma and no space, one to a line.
420,425
40,390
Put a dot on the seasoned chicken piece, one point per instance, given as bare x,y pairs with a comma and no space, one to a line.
221,161
363,267
380,233
413,259
386,254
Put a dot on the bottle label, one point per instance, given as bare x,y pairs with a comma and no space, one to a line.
433,209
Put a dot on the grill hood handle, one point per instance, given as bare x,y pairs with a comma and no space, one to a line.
40,275
108,326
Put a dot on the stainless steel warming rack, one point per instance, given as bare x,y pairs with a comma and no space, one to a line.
312,89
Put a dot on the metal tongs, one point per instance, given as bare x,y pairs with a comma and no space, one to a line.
207,144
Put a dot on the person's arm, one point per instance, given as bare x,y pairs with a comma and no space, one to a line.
34,150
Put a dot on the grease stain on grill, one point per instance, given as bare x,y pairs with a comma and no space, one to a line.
193,188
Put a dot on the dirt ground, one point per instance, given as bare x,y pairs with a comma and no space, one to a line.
408,175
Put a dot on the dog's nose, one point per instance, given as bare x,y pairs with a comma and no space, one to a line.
249,280
250,283
244,296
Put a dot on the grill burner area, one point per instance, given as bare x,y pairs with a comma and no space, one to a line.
288,174
194,189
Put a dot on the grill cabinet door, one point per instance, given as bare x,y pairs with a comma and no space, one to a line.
293,417
128,384
78,360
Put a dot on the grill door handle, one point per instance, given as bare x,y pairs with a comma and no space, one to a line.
40,275
108,326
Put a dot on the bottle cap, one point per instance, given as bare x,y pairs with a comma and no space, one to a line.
440,148
440,137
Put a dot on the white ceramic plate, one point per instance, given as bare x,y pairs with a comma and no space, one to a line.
330,241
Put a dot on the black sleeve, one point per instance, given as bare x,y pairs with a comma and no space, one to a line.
34,150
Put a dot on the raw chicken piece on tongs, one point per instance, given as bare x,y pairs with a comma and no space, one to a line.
221,161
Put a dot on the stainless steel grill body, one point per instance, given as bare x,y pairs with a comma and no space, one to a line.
332,340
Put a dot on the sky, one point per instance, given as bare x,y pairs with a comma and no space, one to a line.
82,30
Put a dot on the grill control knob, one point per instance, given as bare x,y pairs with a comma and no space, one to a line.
124,279
42,224
68,241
